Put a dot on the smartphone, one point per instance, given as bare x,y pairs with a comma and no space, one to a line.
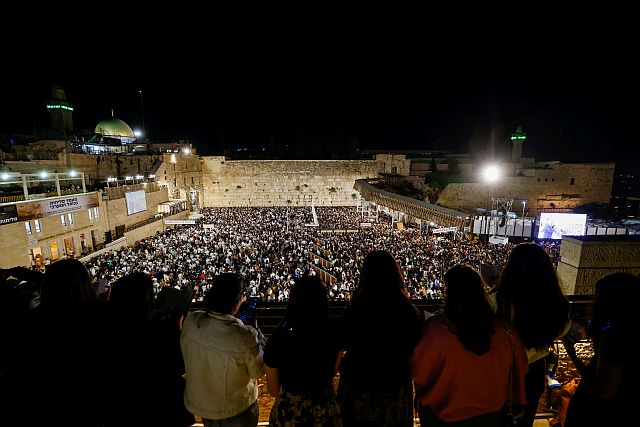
249,310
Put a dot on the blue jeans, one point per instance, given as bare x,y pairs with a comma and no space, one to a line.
246,418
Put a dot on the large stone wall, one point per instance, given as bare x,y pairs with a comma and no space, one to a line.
276,182
558,186
586,259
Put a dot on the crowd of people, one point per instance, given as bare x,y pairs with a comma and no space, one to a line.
271,247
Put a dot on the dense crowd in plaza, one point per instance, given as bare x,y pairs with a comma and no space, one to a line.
270,247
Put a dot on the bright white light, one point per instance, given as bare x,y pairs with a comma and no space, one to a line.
139,176
491,173
5,176
186,150
73,173
137,133
173,158
128,177
152,176
43,174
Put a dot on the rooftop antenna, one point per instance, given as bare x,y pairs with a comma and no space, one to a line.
142,111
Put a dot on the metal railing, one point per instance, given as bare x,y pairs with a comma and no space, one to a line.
270,314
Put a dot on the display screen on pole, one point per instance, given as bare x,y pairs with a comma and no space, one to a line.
556,225
136,201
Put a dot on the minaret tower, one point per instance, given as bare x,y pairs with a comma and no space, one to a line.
517,141
61,110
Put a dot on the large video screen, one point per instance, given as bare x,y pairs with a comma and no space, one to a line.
136,201
556,225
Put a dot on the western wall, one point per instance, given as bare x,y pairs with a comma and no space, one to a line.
282,182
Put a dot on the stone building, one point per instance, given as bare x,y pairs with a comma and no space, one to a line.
538,185
79,224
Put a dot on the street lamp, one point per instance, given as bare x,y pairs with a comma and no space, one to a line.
490,174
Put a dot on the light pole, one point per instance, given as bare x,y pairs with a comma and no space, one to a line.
490,175
524,203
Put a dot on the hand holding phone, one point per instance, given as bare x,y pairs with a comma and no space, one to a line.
248,311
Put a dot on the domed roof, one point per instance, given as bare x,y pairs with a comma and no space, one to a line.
114,127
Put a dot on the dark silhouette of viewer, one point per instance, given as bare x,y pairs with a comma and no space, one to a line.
529,296
300,359
468,362
129,350
168,383
608,389
378,333
60,353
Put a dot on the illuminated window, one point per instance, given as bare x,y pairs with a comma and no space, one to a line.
38,227
96,213
90,214
70,215
63,220
27,225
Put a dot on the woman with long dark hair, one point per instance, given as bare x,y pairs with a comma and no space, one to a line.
130,347
529,296
378,331
300,359
468,363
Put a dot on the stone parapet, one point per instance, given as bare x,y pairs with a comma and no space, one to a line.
586,259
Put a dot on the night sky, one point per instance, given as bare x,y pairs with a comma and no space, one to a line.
574,91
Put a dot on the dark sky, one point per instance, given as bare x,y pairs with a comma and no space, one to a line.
574,90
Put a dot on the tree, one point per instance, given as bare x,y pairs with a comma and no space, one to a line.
454,166
433,167
434,188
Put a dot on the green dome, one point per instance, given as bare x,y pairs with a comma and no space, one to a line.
114,127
